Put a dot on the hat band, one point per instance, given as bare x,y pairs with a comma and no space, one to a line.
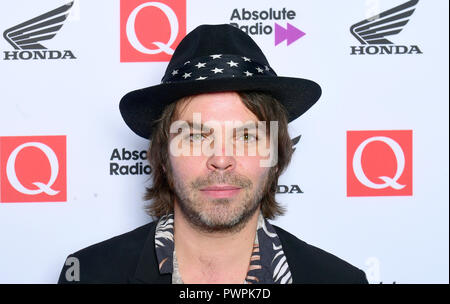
216,67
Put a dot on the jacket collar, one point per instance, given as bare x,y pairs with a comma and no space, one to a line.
147,267
297,257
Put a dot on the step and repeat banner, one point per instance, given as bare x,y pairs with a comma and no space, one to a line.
369,178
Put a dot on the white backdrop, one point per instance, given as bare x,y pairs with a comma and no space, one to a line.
400,238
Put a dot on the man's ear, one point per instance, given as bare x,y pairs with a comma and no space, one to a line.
164,168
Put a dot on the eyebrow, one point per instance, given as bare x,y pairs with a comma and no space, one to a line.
196,126
248,126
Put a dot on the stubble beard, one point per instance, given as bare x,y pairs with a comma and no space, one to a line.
220,215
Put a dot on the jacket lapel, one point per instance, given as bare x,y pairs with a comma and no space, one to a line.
296,257
147,270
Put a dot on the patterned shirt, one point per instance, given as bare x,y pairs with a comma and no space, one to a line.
268,264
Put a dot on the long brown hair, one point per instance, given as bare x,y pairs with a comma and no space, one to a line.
263,105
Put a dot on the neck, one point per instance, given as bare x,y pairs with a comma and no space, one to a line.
218,257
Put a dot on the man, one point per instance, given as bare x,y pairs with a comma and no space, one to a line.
219,141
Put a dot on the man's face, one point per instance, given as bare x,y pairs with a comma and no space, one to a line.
219,191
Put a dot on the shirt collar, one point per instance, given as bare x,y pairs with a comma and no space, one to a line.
268,263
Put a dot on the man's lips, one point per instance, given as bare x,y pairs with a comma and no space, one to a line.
221,191
220,188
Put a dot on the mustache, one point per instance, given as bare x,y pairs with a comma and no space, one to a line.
215,178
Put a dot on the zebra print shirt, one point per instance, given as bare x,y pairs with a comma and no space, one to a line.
268,264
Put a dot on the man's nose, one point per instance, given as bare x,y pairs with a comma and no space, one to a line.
221,163
222,158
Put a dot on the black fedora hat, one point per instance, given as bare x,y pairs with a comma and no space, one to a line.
215,58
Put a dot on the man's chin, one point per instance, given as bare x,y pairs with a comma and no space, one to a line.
222,215
215,225
219,216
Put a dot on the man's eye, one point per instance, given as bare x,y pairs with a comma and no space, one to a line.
196,137
247,137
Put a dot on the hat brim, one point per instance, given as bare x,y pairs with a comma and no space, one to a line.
141,107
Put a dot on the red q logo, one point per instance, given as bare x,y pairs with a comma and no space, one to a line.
151,30
379,163
33,169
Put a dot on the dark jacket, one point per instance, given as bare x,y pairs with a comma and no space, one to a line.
131,258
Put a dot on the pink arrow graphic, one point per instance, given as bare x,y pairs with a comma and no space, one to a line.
291,33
